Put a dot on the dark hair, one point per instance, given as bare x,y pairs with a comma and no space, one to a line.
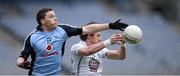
84,37
41,14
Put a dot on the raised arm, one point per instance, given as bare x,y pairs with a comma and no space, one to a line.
92,28
119,54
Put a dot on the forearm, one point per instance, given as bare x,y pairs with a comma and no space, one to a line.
89,50
119,54
92,28
122,52
96,47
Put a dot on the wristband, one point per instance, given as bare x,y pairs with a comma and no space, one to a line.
107,42
122,45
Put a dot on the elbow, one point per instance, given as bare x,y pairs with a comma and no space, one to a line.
122,57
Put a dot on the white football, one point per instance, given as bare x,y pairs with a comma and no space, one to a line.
133,34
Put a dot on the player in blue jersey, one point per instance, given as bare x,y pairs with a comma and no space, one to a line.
46,44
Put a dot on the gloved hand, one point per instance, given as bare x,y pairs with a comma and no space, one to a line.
118,25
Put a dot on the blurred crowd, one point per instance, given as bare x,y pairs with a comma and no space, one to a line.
169,9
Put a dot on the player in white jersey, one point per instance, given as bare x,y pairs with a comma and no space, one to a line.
87,55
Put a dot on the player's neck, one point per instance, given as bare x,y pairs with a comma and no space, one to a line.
47,29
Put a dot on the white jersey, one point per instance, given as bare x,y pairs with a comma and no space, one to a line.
86,65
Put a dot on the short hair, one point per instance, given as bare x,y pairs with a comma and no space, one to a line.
41,14
84,37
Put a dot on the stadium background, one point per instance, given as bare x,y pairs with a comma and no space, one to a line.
157,54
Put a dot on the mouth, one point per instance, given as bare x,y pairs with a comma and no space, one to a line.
55,22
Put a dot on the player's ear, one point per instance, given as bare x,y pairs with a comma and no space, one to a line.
42,21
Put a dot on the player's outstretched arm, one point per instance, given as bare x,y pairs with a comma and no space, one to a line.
92,28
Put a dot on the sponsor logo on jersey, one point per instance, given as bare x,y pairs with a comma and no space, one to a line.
93,65
49,51
49,48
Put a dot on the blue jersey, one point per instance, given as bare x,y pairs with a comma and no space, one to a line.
46,49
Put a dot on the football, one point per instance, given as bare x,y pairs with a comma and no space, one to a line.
133,34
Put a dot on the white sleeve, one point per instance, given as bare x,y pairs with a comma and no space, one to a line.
75,48
102,53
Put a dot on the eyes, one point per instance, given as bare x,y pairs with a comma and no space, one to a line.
51,16
98,35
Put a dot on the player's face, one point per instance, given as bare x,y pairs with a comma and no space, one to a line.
50,19
96,38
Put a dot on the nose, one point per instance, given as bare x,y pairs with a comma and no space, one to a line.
100,40
56,19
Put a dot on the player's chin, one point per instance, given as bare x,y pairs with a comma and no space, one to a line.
54,24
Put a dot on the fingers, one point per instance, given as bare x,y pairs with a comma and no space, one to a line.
116,38
25,65
118,20
119,39
20,61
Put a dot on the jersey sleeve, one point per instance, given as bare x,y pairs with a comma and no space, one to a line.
26,48
103,52
71,30
75,48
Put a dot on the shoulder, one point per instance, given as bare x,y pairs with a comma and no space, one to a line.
28,41
30,34
64,26
34,36
77,46
35,33
71,30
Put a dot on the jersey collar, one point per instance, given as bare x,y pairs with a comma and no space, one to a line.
39,28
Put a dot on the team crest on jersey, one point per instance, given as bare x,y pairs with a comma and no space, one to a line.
49,48
49,51
93,65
